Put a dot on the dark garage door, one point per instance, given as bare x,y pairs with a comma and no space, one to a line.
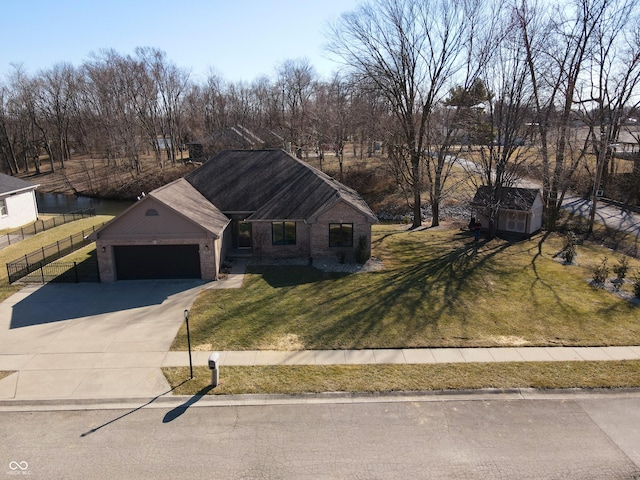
157,261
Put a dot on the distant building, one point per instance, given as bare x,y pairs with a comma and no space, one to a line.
18,205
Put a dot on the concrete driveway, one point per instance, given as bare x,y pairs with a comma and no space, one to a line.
91,340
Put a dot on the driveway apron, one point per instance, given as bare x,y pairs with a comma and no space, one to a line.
91,340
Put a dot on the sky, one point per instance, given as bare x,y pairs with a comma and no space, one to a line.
240,40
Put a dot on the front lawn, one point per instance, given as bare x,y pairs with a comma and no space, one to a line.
437,289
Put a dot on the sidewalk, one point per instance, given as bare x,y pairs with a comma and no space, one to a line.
407,356
82,376
114,340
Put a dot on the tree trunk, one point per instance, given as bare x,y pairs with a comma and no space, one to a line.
417,184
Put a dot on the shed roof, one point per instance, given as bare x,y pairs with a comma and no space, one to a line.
9,184
511,198
271,185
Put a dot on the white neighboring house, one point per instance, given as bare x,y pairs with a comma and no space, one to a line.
18,205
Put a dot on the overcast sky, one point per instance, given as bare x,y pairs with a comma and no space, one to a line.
240,39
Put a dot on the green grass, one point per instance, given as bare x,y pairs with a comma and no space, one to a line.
437,289
390,378
30,244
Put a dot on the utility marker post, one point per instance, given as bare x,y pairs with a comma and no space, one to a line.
186,318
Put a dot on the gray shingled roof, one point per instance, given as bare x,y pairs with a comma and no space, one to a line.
511,198
9,184
187,201
270,185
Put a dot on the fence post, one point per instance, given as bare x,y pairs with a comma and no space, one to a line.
42,272
58,245
75,270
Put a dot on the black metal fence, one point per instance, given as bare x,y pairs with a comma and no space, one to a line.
63,272
21,233
34,261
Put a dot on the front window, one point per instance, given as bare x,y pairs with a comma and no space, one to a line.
3,208
283,233
341,234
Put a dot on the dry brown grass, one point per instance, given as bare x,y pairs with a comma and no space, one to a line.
390,378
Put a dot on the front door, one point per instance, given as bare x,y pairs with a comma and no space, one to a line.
243,234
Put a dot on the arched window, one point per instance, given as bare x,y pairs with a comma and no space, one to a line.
152,212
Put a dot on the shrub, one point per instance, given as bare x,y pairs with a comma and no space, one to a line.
600,273
362,250
636,285
569,251
620,269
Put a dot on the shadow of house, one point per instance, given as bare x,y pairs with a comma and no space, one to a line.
515,212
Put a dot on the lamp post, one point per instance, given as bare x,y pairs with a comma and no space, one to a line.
186,318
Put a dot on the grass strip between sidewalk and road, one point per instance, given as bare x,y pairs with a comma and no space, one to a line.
298,379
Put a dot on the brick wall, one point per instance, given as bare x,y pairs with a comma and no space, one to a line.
339,213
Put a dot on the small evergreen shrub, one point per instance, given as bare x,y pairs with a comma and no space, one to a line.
362,250
636,285
620,269
600,273
569,251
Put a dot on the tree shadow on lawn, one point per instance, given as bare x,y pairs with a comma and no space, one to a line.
281,276
425,292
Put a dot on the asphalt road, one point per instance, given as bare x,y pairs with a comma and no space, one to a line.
572,437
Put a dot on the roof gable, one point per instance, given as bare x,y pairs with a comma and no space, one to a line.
183,203
185,200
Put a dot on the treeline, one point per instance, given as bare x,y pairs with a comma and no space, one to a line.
120,107
514,80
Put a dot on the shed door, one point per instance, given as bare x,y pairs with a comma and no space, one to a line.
516,221
157,261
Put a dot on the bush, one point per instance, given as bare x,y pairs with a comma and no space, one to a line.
600,273
620,269
569,251
636,285
362,250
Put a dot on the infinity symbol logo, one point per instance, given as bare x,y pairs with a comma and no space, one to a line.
18,465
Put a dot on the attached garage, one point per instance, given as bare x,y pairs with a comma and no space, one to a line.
171,233
144,262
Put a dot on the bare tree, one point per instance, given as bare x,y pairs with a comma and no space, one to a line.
500,105
558,43
410,49
7,134
615,81
170,84
297,79
55,102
